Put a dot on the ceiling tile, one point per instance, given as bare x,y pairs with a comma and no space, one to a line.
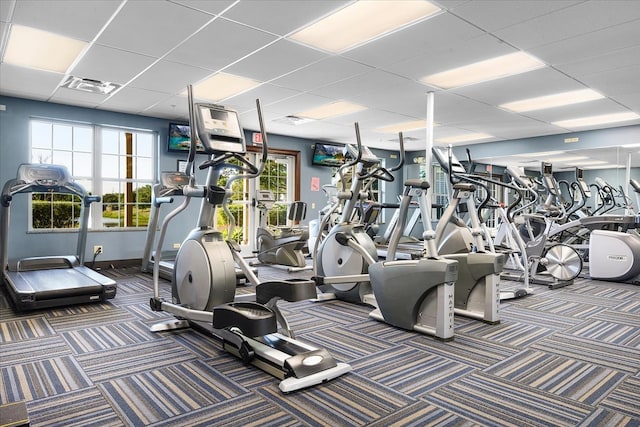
111,65
614,82
433,34
357,85
582,18
451,56
80,98
600,43
28,83
152,27
615,59
268,14
169,77
77,19
5,9
201,51
133,99
584,109
174,108
483,13
213,7
267,93
543,81
275,60
321,73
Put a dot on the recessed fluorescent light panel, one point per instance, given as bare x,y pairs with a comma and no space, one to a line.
361,22
403,127
540,154
483,71
593,162
564,159
551,101
28,47
333,109
222,86
467,137
597,120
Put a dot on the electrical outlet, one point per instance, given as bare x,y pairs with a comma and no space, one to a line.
97,249
176,246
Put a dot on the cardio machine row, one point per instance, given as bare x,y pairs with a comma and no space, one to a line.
420,294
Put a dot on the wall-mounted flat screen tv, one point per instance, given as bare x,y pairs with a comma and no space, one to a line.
180,138
328,154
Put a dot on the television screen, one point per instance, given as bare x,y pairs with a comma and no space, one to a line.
180,138
326,154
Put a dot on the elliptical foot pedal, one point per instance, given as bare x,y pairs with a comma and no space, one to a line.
253,319
291,290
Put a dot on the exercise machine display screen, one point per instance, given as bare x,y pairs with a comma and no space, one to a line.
219,129
582,183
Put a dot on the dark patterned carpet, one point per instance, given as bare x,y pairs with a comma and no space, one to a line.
565,357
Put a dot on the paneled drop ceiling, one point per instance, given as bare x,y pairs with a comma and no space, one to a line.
154,49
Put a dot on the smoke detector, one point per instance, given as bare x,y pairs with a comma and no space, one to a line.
294,120
90,85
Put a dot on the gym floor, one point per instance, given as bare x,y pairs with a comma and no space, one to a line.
564,357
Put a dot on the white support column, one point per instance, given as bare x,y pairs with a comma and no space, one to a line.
429,145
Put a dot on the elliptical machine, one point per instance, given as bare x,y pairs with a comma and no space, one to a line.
342,258
281,245
203,286
415,294
478,286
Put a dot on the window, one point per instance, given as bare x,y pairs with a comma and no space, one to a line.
115,163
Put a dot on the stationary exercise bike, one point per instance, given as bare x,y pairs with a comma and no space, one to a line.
204,281
615,255
281,245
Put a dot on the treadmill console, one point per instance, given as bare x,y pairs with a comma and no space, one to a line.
43,174
219,129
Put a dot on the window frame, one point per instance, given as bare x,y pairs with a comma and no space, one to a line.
96,179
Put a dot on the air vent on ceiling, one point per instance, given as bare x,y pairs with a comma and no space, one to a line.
293,120
90,85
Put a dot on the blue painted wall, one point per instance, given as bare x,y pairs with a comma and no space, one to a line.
14,149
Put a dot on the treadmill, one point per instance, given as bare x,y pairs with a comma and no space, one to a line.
44,282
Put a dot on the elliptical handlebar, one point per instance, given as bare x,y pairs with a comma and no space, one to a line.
383,173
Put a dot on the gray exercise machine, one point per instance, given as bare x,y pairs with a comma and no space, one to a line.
416,294
204,280
554,265
281,246
342,257
50,281
615,255
171,185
